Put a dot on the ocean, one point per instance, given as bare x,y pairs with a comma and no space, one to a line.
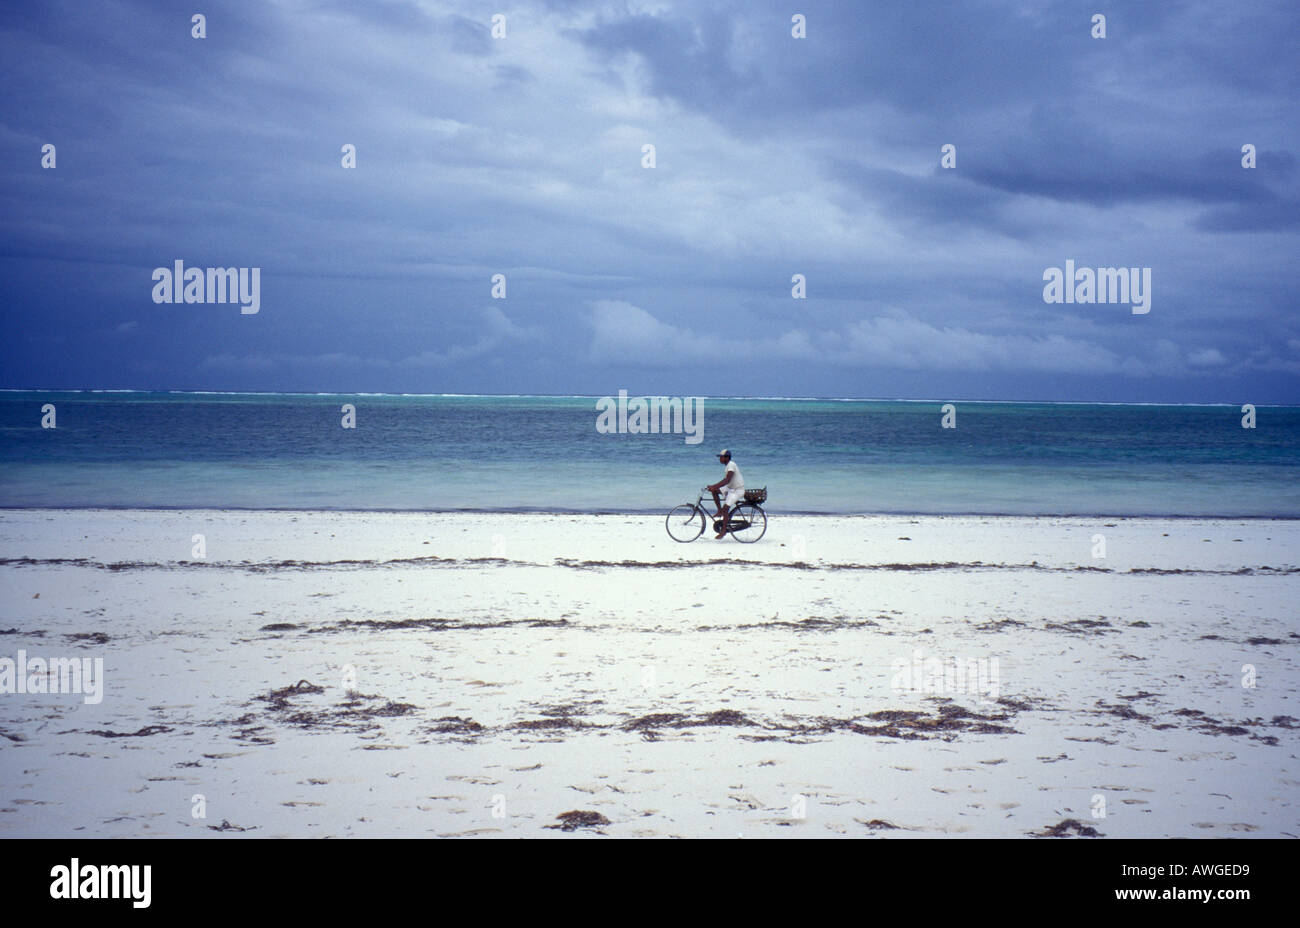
526,453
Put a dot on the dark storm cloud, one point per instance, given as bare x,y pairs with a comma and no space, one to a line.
776,156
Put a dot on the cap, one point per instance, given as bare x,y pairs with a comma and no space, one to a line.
724,453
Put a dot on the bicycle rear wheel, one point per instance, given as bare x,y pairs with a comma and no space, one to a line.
685,522
748,523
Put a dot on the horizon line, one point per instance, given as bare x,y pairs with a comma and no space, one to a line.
807,399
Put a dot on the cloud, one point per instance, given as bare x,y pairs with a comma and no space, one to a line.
903,342
626,333
265,363
500,332
775,156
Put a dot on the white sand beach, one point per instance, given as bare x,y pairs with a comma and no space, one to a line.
506,669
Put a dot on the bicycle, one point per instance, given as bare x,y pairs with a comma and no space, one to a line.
748,522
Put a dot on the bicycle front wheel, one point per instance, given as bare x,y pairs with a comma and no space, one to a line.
748,523
685,523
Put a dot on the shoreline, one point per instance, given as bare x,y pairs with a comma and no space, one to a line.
663,512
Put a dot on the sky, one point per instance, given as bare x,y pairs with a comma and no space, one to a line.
774,156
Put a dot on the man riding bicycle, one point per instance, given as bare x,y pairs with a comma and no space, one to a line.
734,486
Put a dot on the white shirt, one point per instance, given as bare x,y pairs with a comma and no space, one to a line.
737,484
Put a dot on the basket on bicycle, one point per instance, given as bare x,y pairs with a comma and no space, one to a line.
756,496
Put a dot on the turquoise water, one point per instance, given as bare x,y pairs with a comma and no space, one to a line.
177,450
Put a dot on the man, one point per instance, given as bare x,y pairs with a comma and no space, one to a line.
734,485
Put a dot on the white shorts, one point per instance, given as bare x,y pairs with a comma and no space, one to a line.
732,497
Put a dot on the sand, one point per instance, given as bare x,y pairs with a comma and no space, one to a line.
377,674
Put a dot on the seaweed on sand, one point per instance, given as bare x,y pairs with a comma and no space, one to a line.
577,818
142,733
1067,828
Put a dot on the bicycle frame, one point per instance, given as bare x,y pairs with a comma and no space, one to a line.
738,518
731,510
